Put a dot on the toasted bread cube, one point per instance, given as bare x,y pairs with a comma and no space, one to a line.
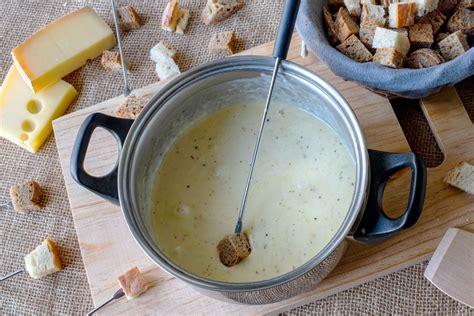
170,16
219,10
111,62
330,26
131,106
367,33
385,38
183,21
424,58
222,43
461,177
446,6
373,14
425,6
435,18
389,57
421,36
441,36
26,197
44,260
345,25
233,249
453,46
401,14
462,20
469,4
354,49
128,18
353,6
167,69
161,52
132,283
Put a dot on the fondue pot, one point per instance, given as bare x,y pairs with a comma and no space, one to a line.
208,88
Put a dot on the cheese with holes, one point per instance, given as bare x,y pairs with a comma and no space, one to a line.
25,117
62,47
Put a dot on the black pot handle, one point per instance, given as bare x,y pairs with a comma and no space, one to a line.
105,186
375,226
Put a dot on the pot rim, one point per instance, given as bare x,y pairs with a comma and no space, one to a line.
265,65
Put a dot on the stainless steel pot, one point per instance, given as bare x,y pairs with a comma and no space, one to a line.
207,88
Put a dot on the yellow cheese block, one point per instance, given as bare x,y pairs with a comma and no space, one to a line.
62,47
25,117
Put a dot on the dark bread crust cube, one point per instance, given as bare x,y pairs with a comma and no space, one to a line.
233,249
132,283
453,46
435,18
366,34
389,57
462,20
330,26
131,107
222,43
345,25
424,58
421,36
111,62
128,18
26,197
219,10
354,49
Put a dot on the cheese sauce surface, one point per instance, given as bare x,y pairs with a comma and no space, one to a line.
301,190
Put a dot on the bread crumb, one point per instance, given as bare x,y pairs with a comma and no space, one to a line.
345,25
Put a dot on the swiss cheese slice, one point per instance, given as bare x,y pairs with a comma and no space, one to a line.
25,117
62,47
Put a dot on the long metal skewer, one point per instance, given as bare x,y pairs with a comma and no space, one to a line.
238,226
8,204
12,274
120,293
126,90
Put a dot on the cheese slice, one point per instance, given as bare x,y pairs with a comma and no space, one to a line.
25,117
62,47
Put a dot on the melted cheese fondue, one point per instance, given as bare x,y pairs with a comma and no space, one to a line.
300,193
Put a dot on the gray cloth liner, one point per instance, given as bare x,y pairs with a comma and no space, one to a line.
408,83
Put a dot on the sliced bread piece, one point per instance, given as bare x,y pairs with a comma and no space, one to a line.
170,16
44,260
218,10
111,62
131,106
183,21
222,43
353,6
446,6
161,52
462,20
401,14
132,283
389,57
128,18
374,14
385,38
233,249
345,25
26,196
367,33
353,48
453,46
461,177
330,26
435,18
420,36
424,58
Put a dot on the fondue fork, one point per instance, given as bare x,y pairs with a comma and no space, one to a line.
234,248
126,88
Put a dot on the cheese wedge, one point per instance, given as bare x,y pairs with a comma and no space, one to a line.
62,47
25,117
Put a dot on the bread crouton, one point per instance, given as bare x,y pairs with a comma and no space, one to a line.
461,177
345,25
111,62
453,46
330,26
389,57
26,197
335,5
425,6
233,249
222,43
374,14
170,17
446,6
385,38
161,52
420,35
183,21
462,20
131,107
401,14
435,18
219,10
353,48
353,7
128,18
44,260
424,58
367,33
132,283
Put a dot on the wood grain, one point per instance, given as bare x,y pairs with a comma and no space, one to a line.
451,268
109,250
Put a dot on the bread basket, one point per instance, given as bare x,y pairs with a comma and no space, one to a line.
407,83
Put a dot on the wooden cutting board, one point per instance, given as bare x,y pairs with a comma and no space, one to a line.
108,248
